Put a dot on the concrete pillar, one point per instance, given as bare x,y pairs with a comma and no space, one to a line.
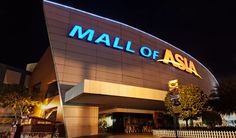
81,120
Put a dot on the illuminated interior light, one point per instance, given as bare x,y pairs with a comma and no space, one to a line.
44,107
52,81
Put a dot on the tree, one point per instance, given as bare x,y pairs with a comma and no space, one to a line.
192,102
226,103
17,98
211,119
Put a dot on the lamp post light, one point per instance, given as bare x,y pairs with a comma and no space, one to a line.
174,97
175,125
176,105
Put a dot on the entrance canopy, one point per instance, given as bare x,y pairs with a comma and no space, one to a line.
105,94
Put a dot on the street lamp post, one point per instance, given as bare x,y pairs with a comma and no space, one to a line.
174,97
175,125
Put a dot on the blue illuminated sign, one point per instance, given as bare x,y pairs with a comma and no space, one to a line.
104,38
78,32
177,60
89,33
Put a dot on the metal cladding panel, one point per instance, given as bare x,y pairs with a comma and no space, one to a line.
76,60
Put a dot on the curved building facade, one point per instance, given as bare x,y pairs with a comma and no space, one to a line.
103,66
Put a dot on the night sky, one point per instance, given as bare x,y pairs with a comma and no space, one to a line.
205,30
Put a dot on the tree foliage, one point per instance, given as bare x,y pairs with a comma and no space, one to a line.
192,102
226,103
17,98
211,119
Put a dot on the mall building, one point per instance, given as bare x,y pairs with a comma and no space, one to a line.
95,66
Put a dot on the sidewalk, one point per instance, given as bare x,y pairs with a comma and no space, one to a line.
126,136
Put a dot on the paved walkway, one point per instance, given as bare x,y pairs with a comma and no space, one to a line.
125,136
121,136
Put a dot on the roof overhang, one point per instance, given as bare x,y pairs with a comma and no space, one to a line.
106,94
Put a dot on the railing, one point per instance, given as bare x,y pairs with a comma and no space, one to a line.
195,134
36,135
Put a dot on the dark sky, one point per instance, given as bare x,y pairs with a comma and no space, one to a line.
206,30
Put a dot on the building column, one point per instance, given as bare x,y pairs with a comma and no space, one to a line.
81,120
